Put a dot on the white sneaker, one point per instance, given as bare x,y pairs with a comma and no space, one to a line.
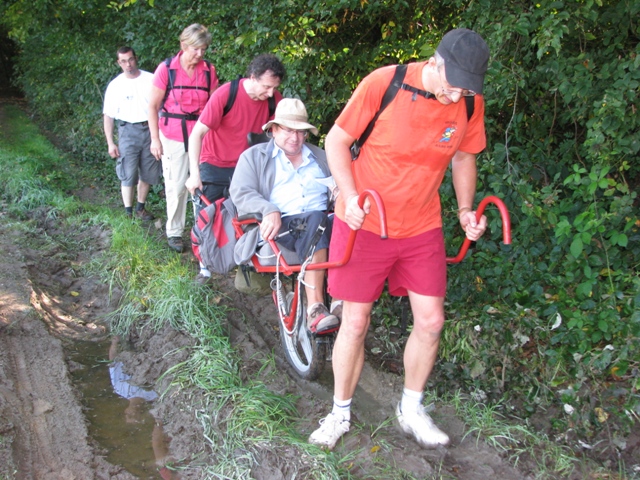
421,427
332,427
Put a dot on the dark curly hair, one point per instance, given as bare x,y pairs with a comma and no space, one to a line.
264,62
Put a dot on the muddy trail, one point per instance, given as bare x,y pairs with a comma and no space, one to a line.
48,307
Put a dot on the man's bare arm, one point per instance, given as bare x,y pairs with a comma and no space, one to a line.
465,176
337,146
108,124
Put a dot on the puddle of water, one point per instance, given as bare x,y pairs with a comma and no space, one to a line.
117,412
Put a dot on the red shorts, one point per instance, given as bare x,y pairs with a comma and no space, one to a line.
417,264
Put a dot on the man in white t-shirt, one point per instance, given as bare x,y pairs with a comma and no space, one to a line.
126,101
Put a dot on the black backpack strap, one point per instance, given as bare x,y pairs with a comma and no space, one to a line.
207,74
170,83
233,93
272,106
172,80
416,92
471,104
389,95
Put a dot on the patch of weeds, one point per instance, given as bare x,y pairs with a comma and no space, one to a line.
488,423
240,419
391,323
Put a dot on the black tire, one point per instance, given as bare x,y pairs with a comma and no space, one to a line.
305,353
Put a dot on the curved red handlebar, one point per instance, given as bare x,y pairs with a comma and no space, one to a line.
352,235
506,226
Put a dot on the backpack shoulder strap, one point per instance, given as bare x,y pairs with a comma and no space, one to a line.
272,106
207,73
172,79
389,95
471,104
233,93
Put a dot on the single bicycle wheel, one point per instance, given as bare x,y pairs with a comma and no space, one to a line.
305,352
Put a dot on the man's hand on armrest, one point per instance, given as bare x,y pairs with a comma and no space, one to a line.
270,225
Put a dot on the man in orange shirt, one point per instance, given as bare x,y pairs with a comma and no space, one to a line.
423,130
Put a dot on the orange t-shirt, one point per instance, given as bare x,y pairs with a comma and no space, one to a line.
409,150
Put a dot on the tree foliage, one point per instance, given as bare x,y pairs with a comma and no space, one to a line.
562,118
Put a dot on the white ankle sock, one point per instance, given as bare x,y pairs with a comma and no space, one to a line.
204,271
342,408
411,401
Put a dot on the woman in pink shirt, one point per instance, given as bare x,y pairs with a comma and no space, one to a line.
181,87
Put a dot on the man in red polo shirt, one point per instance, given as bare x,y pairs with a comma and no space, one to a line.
218,138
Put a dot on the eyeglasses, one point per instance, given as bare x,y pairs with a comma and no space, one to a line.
288,131
126,61
458,91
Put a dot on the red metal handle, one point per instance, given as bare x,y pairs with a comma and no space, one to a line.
506,226
198,194
352,235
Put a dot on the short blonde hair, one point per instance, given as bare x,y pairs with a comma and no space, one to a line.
196,35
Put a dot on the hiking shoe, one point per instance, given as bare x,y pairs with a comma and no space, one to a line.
175,243
336,309
204,279
144,215
320,321
332,427
421,427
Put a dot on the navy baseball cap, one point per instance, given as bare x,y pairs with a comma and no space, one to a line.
466,56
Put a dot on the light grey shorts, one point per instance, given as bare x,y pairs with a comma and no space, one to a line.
135,161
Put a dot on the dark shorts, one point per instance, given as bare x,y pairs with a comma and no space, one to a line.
417,264
135,161
215,181
303,228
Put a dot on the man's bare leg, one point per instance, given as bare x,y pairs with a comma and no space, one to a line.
348,360
348,351
315,278
127,196
422,346
143,191
419,358
319,319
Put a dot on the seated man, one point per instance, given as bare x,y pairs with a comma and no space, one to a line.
279,179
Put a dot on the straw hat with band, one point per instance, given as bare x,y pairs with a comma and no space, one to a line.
291,113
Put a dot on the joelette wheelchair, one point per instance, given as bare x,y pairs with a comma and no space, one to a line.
305,351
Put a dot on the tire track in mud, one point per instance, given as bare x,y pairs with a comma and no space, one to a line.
40,414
